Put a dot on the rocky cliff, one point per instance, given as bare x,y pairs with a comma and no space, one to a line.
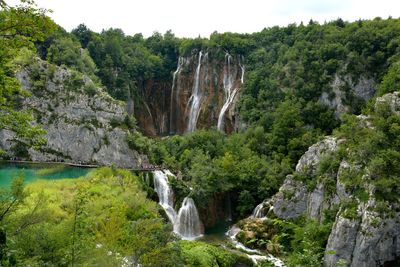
83,123
204,89
366,228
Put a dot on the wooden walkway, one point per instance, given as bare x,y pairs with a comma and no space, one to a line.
147,167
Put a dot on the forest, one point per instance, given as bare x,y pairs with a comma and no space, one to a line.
101,218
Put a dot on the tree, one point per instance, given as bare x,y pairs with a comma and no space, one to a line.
20,27
83,34
9,202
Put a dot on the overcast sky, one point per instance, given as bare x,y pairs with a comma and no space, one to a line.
187,18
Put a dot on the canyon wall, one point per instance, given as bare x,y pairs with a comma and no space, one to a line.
202,94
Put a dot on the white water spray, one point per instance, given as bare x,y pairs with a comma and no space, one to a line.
175,93
188,224
255,255
229,92
194,100
242,69
165,194
258,211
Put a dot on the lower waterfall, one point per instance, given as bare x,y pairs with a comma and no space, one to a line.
255,255
187,223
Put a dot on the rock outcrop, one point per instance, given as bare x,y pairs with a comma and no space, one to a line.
294,197
392,99
366,232
344,88
370,239
83,123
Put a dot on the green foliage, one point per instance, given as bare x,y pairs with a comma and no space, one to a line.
302,61
63,222
66,51
138,142
205,255
20,27
391,80
246,203
308,244
374,150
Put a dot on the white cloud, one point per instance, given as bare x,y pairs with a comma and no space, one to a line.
188,18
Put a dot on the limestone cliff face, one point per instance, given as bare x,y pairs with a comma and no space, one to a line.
82,121
347,91
368,234
202,94
295,199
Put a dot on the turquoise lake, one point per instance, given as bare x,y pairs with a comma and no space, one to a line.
33,172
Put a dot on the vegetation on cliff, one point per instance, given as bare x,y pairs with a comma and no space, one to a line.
20,28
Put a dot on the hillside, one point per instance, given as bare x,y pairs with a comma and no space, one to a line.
297,125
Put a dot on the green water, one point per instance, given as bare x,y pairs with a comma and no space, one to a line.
216,234
32,172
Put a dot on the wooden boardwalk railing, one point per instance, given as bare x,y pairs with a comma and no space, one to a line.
143,167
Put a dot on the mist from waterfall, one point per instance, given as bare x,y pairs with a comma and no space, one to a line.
229,92
194,100
187,223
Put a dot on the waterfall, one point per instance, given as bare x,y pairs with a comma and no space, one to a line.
229,93
188,224
255,255
258,211
242,69
173,115
165,194
194,100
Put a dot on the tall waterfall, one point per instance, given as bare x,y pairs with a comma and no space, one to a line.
229,92
175,94
188,224
194,100
165,194
242,69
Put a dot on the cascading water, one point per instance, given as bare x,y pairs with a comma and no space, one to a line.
165,194
175,94
188,224
258,211
242,69
255,255
194,100
229,92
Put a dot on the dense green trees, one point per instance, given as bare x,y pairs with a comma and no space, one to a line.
287,70
102,219
96,219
